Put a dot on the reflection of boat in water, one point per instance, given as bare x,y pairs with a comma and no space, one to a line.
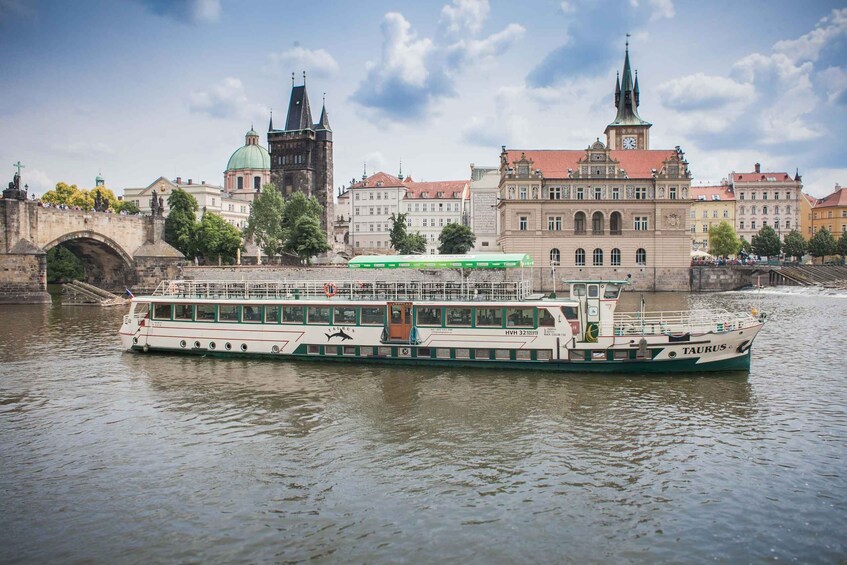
469,323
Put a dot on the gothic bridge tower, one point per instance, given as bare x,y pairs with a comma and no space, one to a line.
628,131
301,153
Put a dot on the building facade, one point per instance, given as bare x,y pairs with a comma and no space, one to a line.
484,220
301,155
830,212
610,210
248,169
766,199
710,205
432,205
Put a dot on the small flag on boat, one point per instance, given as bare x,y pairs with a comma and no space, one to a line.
131,295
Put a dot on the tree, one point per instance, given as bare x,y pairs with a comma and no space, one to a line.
63,266
298,206
307,239
841,246
723,241
265,222
217,239
456,239
106,196
127,206
69,195
822,244
402,242
794,245
181,223
745,246
766,243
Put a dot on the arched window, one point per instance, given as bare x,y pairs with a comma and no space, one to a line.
579,257
764,209
615,223
555,256
579,223
598,257
616,257
641,256
597,223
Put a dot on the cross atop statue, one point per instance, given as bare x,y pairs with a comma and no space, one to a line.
14,191
19,166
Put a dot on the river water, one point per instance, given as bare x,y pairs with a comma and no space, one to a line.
107,456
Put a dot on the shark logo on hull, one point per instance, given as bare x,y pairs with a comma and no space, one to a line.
340,333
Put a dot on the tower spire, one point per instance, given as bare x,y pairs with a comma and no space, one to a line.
400,175
627,95
271,122
364,170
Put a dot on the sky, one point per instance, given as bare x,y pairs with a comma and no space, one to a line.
137,89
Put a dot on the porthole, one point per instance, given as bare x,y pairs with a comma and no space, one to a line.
227,346
196,345
275,349
212,345
672,354
182,344
243,347
135,341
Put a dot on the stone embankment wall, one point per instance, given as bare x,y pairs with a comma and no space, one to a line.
24,279
709,278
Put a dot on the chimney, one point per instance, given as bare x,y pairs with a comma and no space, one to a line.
758,168
179,180
189,181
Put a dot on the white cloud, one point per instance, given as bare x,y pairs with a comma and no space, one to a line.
662,9
190,11
465,16
39,182
470,51
315,61
820,182
403,55
226,100
375,161
808,47
567,7
834,80
699,91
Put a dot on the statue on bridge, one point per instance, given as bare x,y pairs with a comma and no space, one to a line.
14,191
157,204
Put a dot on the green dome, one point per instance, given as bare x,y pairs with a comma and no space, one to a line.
252,156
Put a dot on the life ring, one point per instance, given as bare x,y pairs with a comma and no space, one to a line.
330,289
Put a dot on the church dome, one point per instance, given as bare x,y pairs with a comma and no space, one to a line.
250,156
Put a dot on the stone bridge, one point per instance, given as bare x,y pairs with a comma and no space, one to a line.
117,251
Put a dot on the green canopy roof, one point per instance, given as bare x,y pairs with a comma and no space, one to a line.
473,261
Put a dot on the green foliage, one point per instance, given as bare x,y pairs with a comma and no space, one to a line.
265,222
841,247
181,223
69,195
766,243
217,239
723,241
403,242
63,266
794,245
456,239
105,194
745,246
298,206
307,239
822,244
127,206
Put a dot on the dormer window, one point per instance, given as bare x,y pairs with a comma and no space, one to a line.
523,169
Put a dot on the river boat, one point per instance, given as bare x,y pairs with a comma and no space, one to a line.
475,322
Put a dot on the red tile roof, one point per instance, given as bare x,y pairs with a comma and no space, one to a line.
554,163
380,177
759,177
449,188
837,198
708,192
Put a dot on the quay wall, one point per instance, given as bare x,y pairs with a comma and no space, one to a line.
24,279
711,278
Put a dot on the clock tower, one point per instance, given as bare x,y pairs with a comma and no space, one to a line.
628,131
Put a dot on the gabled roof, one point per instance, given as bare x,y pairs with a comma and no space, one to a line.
554,163
759,177
837,198
722,191
373,181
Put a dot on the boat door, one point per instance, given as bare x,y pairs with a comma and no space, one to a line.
399,321
592,303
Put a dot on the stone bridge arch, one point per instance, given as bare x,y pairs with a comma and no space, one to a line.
107,264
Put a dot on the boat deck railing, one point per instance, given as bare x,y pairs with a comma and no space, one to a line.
349,290
682,322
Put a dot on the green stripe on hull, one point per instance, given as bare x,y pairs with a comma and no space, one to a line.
735,364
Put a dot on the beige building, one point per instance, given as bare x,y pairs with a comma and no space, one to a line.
248,168
766,199
806,204
830,212
607,211
710,205
484,191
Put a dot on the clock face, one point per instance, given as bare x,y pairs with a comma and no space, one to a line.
629,142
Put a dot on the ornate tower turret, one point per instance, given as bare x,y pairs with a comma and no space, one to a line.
628,130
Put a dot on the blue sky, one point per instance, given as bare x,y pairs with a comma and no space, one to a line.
142,88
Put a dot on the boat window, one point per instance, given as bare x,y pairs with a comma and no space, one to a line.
579,290
227,312
292,315
458,316
593,291
544,354
612,291
482,354
344,315
570,312
271,314
140,309
252,314
442,353
318,314
519,317
523,355
501,354
429,316
373,315
463,353
489,317
183,311
545,318
162,311
205,312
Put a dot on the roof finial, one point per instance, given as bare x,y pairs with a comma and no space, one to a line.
304,78
400,176
364,170
292,79
627,41
324,99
